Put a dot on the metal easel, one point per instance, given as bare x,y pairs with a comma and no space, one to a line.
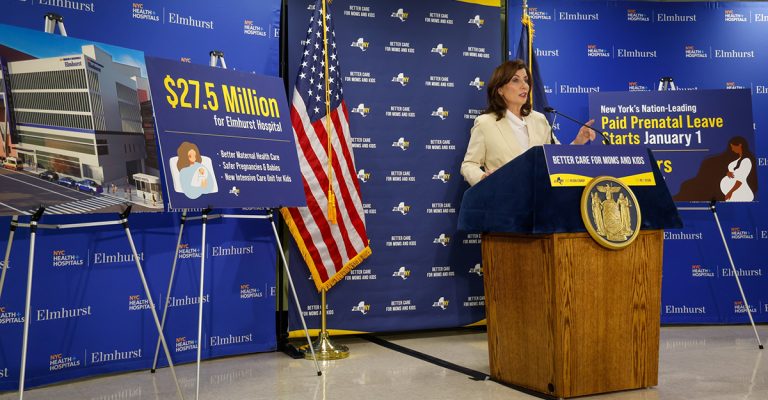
33,225
216,57
667,83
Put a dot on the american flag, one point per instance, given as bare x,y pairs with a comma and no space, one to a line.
329,249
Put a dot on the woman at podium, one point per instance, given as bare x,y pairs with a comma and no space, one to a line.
509,126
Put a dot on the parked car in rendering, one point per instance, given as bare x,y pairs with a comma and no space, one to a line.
12,163
49,176
66,181
89,185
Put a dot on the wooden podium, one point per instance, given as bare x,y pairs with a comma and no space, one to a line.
569,318
566,317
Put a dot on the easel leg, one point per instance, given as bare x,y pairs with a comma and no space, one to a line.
170,287
735,274
124,218
28,301
200,306
293,290
14,225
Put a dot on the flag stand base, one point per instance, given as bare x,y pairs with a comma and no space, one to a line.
325,349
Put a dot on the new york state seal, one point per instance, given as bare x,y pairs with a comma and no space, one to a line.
610,212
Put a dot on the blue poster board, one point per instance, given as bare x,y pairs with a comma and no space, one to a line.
703,139
224,137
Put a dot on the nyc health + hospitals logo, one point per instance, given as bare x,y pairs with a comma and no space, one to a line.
692,52
633,15
635,86
734,16
140,11
58,361
60,258
738,233
10,317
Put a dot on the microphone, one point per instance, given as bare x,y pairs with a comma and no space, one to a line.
606,141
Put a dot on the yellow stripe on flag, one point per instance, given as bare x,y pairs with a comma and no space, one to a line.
490,3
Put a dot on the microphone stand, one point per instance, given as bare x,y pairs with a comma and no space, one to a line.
606,141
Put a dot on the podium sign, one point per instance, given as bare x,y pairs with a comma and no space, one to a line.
577,165
225,137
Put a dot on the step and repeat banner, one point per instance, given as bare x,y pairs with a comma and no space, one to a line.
89,312
414,76
586,49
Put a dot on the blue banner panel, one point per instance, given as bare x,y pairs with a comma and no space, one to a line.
414,76
225,137
590,47
248,32
86,289
692,134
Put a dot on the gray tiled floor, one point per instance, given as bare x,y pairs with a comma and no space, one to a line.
703,363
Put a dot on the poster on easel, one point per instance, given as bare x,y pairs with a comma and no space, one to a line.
78,129
703,140
224,137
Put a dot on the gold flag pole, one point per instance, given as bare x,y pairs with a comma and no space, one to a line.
529,26
324,348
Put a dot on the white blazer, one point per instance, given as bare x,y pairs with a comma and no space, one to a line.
493,143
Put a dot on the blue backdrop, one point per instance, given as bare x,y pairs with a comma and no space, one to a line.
89,311
414,80
598,46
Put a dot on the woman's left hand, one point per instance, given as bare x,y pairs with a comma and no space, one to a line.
586,134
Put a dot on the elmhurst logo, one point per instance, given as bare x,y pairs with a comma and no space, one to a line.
401,79
439,49
362,110
441,303
442,176
684,309
477,83
402,208
363,175
4,371
361,44
477,269
402,272
440,113
400,14
99,357
443,239
759,89
477,21
188,20
68,4
402,144
362,307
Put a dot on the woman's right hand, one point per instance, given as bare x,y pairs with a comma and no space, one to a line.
488,172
